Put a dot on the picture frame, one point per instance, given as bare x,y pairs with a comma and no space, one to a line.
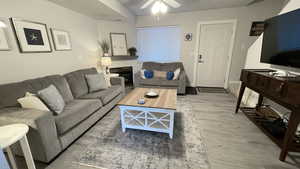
118,44
32,37
61,39
257,28
4,44
188,36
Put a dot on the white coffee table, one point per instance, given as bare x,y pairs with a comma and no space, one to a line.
157,114
11,134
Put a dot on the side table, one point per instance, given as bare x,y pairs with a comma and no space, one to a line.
11,134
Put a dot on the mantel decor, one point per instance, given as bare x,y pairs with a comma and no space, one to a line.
61,39
118,44
32,36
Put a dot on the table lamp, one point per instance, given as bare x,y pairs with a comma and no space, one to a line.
106,62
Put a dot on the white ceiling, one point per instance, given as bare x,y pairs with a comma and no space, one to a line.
93,8
186,5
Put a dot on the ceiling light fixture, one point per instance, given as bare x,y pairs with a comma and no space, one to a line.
159,8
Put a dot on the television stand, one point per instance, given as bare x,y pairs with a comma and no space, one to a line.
284,91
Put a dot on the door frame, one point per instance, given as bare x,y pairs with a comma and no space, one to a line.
230,53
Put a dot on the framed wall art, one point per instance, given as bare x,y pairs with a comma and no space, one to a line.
32,36
118,44
3,37
257,28
61,39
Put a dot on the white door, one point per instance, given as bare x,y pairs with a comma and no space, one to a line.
215,42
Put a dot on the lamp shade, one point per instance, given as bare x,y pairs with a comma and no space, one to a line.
105,61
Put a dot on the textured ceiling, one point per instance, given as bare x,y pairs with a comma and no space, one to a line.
186,5
92,8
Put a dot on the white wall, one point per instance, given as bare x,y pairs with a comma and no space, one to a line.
15,66
188,23
107,27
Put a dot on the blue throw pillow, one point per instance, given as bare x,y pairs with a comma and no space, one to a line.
148,74
170,75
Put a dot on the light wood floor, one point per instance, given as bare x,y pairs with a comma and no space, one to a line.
232,141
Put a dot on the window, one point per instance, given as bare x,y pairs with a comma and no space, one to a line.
159,44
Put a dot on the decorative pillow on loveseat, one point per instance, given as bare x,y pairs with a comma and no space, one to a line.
52,98
170,75
148,74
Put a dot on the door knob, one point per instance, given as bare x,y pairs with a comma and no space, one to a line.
200,59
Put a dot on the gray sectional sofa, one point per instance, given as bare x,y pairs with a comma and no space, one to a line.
50,134
179,84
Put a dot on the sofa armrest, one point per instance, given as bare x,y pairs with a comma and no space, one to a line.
118,81
42,136
182,82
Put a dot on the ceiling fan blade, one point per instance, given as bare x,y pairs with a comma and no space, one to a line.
149,2
172,3
254,2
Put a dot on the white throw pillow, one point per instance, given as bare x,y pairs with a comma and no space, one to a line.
31,101
143,73
176,74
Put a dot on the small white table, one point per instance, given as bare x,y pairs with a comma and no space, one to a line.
11,134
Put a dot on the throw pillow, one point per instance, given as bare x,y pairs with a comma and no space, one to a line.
176,74
160,74
148,74
52,99
96,82
31,101
170,75
143,73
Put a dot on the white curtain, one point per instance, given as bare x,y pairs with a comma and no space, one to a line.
159,44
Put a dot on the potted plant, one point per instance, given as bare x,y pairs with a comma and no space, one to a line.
132,51
105,47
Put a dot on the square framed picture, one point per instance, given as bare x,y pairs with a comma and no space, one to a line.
118,44
32,36
61,39
3,38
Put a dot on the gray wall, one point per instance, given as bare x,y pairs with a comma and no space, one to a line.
188,23
15,66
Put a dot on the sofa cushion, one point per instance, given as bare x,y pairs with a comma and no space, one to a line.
10,93
159,82
75,112
53,99
78,82
96,82
13,91
163,66
57,80
105,95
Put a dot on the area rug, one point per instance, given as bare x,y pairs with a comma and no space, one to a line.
107,147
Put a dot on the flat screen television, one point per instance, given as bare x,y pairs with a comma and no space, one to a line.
281,40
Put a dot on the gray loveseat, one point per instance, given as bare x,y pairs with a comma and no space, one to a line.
179,84
49,134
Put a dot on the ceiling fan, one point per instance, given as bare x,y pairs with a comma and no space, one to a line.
161,6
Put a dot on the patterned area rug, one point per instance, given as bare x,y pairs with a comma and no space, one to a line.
107,147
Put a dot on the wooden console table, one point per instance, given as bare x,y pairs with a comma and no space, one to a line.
282,90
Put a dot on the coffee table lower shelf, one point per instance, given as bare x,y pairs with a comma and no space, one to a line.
149,119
